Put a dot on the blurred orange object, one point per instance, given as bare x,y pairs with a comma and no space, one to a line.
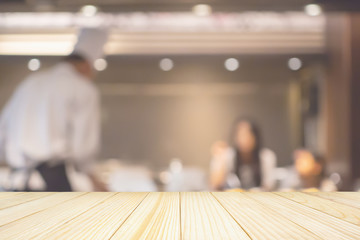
310,190
235,190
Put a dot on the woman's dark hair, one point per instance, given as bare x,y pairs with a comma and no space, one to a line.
320,160
255,163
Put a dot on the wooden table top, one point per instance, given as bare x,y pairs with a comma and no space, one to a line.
199,216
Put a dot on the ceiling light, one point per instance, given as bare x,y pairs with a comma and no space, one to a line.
313,10
34,64
232,64
202,10
100,64
166,64
294,64
89,10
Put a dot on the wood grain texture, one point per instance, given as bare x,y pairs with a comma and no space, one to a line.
33,225
249,213
343,198
157,217
20,198
7,195
14,213
344,212
352,195
321,224
184,216
202,217
100,222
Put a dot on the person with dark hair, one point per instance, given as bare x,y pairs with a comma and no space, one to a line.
53,120
308,173
245,163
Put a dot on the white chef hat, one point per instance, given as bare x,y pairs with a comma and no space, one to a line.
90,43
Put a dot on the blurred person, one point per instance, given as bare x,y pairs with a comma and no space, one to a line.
308,173
53,119
245,163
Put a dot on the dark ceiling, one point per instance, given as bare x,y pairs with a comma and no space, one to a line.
175,5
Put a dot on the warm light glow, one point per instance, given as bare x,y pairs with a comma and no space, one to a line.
34,64
100,64
313,10
202,10
294,64
232,64
89,10
166,64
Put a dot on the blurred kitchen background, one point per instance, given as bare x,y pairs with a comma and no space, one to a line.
178,73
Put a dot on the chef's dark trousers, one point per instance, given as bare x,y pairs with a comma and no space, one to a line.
55,177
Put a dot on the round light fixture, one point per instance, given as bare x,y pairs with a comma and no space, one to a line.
313,10
294,64
89,10
231,64
100,64
34,64
166,64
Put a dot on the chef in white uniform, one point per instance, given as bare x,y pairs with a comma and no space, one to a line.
53,119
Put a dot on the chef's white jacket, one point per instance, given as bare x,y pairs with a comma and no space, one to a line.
53,114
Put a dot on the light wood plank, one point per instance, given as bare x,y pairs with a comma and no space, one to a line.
179,216
11,214
100,222
321,224
351,195
338,197
22,198
202,217
249,214
157,217
5,195
344,212
33,225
